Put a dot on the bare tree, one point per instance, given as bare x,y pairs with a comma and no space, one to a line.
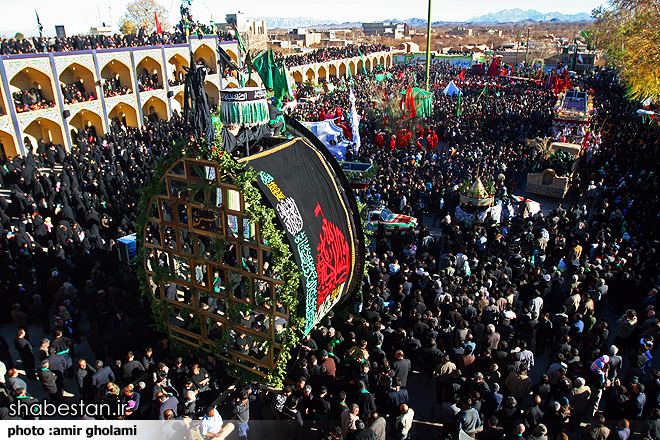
142,14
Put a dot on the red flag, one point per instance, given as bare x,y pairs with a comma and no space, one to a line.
462,75
492,70
410,102
159,28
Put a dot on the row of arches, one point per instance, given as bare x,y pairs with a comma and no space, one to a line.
52,131
114,72
116,75
339,69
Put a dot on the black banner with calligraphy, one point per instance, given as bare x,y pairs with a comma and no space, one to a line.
243,94
314,208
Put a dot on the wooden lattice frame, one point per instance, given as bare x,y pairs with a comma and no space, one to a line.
182,223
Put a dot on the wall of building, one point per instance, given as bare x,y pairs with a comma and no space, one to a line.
340,68
49,71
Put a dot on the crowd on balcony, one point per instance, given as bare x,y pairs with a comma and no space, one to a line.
148,82
75,92
14,46
210,70
31,99
179,79
330,53
112,87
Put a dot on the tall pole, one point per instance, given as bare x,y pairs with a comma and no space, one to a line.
575,51
428,49
527,47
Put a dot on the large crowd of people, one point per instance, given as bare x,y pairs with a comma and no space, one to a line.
541,326
330,53
529,328
14,46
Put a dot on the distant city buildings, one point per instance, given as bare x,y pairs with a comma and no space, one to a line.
245,24
380,29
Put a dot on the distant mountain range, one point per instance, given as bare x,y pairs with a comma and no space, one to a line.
516,15
504,16
293,23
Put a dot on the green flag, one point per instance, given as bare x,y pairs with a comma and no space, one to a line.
484,93
240,41
574,58
263,64
459,106
349,73
273,76
280,84
364,70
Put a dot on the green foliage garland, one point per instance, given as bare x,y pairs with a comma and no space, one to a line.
282,260
559,161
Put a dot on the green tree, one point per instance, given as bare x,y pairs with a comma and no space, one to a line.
142,14
629,32
127,27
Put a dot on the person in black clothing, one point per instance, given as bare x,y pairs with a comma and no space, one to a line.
132,368
293,418
83,376
364,399
62,346
178,372
48,381
361,432
401,367
202,382
396,397
533,415
26,353
321,407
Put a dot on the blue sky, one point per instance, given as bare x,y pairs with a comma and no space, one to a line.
78,15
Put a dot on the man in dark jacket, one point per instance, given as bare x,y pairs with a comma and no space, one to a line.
62,346
132,368
102,376
361,432
48,381
84,375
24,349
533,415
401,367
364,399
396,398
651,428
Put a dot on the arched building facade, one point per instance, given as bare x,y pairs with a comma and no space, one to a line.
34,104
112,77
